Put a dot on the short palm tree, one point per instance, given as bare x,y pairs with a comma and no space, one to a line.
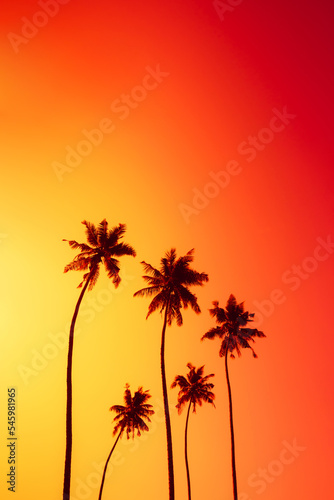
231,330
170,287
104,245
129,418
194,388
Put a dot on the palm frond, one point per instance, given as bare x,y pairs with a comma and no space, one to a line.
158,302
181,381
102,233
224,348
188,298
151,270
152,281
168,260
82,246
131,417
194,388
112,267
170,284
92,254
175,312
147,292
218,312
94,277
79,263
192,278
91,233
121,249
215,331
232,321
115,233
182,401
192,367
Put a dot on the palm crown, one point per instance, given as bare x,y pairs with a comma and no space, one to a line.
194,388
231,329
103,246
170,285
130,417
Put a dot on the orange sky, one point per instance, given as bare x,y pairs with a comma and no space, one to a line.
197,130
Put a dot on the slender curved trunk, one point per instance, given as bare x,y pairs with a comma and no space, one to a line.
106,465
166,408
234,473
68,452
186,451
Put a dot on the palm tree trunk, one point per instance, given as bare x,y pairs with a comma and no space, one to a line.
68,452
234,473
106,465
186,451
166,408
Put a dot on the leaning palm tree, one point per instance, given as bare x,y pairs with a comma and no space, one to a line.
170,286
129,418
104,245
194,388
231,329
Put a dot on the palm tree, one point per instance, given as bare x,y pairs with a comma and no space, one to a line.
194,388
129,418
103,246
235,336
170,286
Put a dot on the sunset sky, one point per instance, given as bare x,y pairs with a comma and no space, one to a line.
204,125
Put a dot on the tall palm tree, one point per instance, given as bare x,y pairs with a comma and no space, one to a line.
194,388
104,245
170,287
129,418
231,329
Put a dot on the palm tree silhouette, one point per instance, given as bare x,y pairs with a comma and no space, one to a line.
235,336
129,418
170,286
103,246
194,388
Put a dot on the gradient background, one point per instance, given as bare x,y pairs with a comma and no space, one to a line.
225,78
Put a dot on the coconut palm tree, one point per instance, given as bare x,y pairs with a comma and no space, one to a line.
104,245
194,388
129,418
170,287
231,330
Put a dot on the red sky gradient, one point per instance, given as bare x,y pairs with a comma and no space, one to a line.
264,234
